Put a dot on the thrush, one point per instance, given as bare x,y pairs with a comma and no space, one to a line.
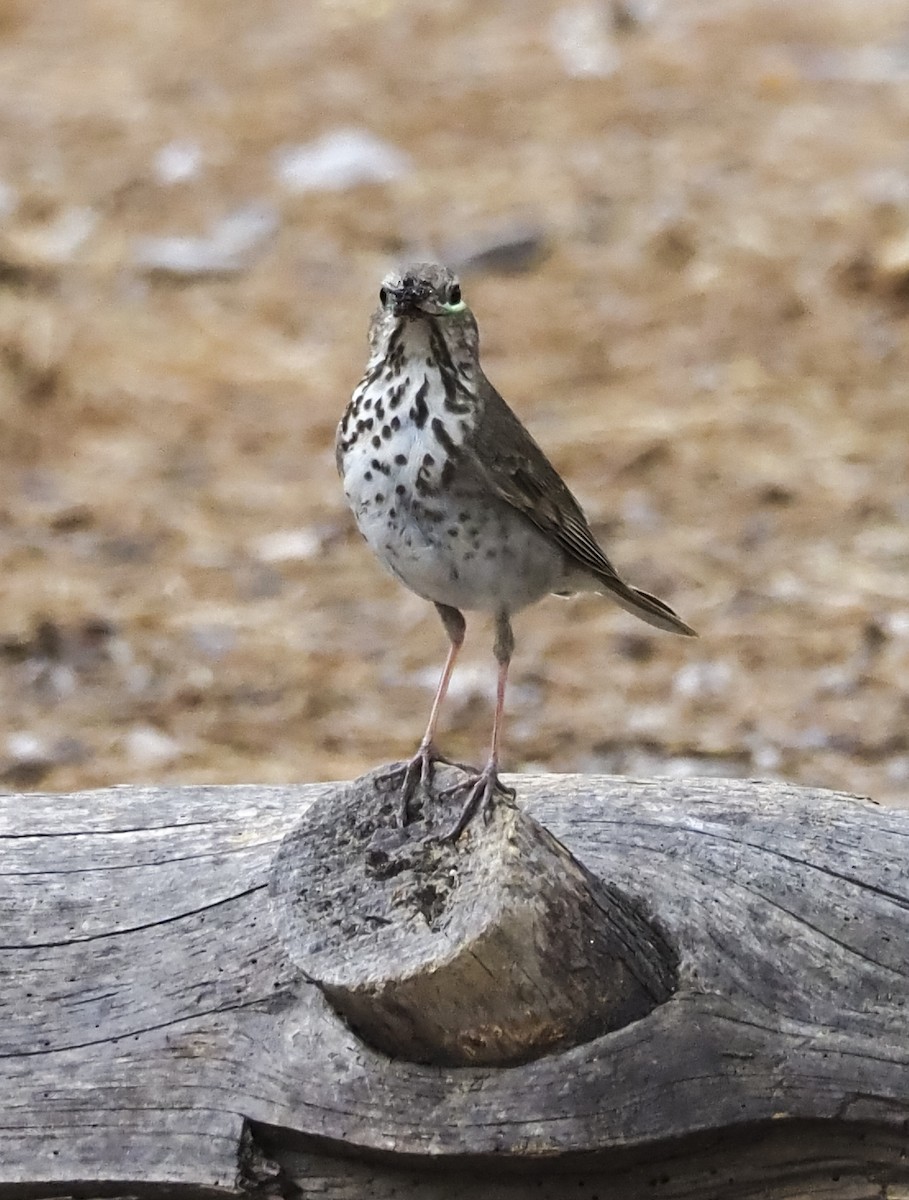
456,498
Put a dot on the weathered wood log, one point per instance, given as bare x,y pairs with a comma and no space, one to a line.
155,1034
492,949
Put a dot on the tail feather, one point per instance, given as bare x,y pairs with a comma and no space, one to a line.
647,607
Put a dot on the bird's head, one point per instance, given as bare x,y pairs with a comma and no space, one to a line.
421,310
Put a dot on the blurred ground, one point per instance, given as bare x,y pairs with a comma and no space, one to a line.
709,339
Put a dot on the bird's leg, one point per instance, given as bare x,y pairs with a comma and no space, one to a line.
419,769
483,788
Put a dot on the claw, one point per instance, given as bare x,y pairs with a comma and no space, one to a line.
419,772
482,792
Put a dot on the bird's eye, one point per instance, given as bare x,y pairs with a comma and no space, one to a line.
454,296
383,296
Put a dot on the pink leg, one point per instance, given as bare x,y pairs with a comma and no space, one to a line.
497,719
483,789
419,769
441,692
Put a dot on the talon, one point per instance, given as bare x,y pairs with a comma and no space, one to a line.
420,771
401,778
414,771
481,796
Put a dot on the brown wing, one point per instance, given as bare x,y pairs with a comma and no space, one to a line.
520,473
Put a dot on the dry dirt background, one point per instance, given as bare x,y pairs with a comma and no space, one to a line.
706,329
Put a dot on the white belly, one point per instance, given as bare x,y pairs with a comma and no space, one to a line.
451,547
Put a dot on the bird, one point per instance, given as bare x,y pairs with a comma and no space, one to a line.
456,499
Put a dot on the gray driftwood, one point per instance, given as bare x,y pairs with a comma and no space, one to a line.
156,1035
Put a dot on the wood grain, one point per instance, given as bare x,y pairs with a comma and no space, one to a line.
153,1032
493,948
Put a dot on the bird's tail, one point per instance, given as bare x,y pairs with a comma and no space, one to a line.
645,606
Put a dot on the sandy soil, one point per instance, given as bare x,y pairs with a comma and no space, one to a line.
707,332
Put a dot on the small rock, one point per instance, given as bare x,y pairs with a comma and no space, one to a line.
636,508
25,773
71,518
468,684
148,746
648,720
813,738
27,747
67,234
868,64
765,757
176,162
636,647
256,580
31,760
629,15
341,159
582,37
126,548
52,680
229,247
836,680
214,641
702,679
511,250
138,678
897,624
70,750
694,766
56,242
287,545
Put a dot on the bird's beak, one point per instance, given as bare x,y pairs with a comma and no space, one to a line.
406,300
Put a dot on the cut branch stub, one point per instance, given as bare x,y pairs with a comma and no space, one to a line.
495,949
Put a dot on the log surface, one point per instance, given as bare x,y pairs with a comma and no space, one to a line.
492,949
154,1032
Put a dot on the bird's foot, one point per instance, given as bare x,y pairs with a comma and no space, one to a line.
418,772
482,792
